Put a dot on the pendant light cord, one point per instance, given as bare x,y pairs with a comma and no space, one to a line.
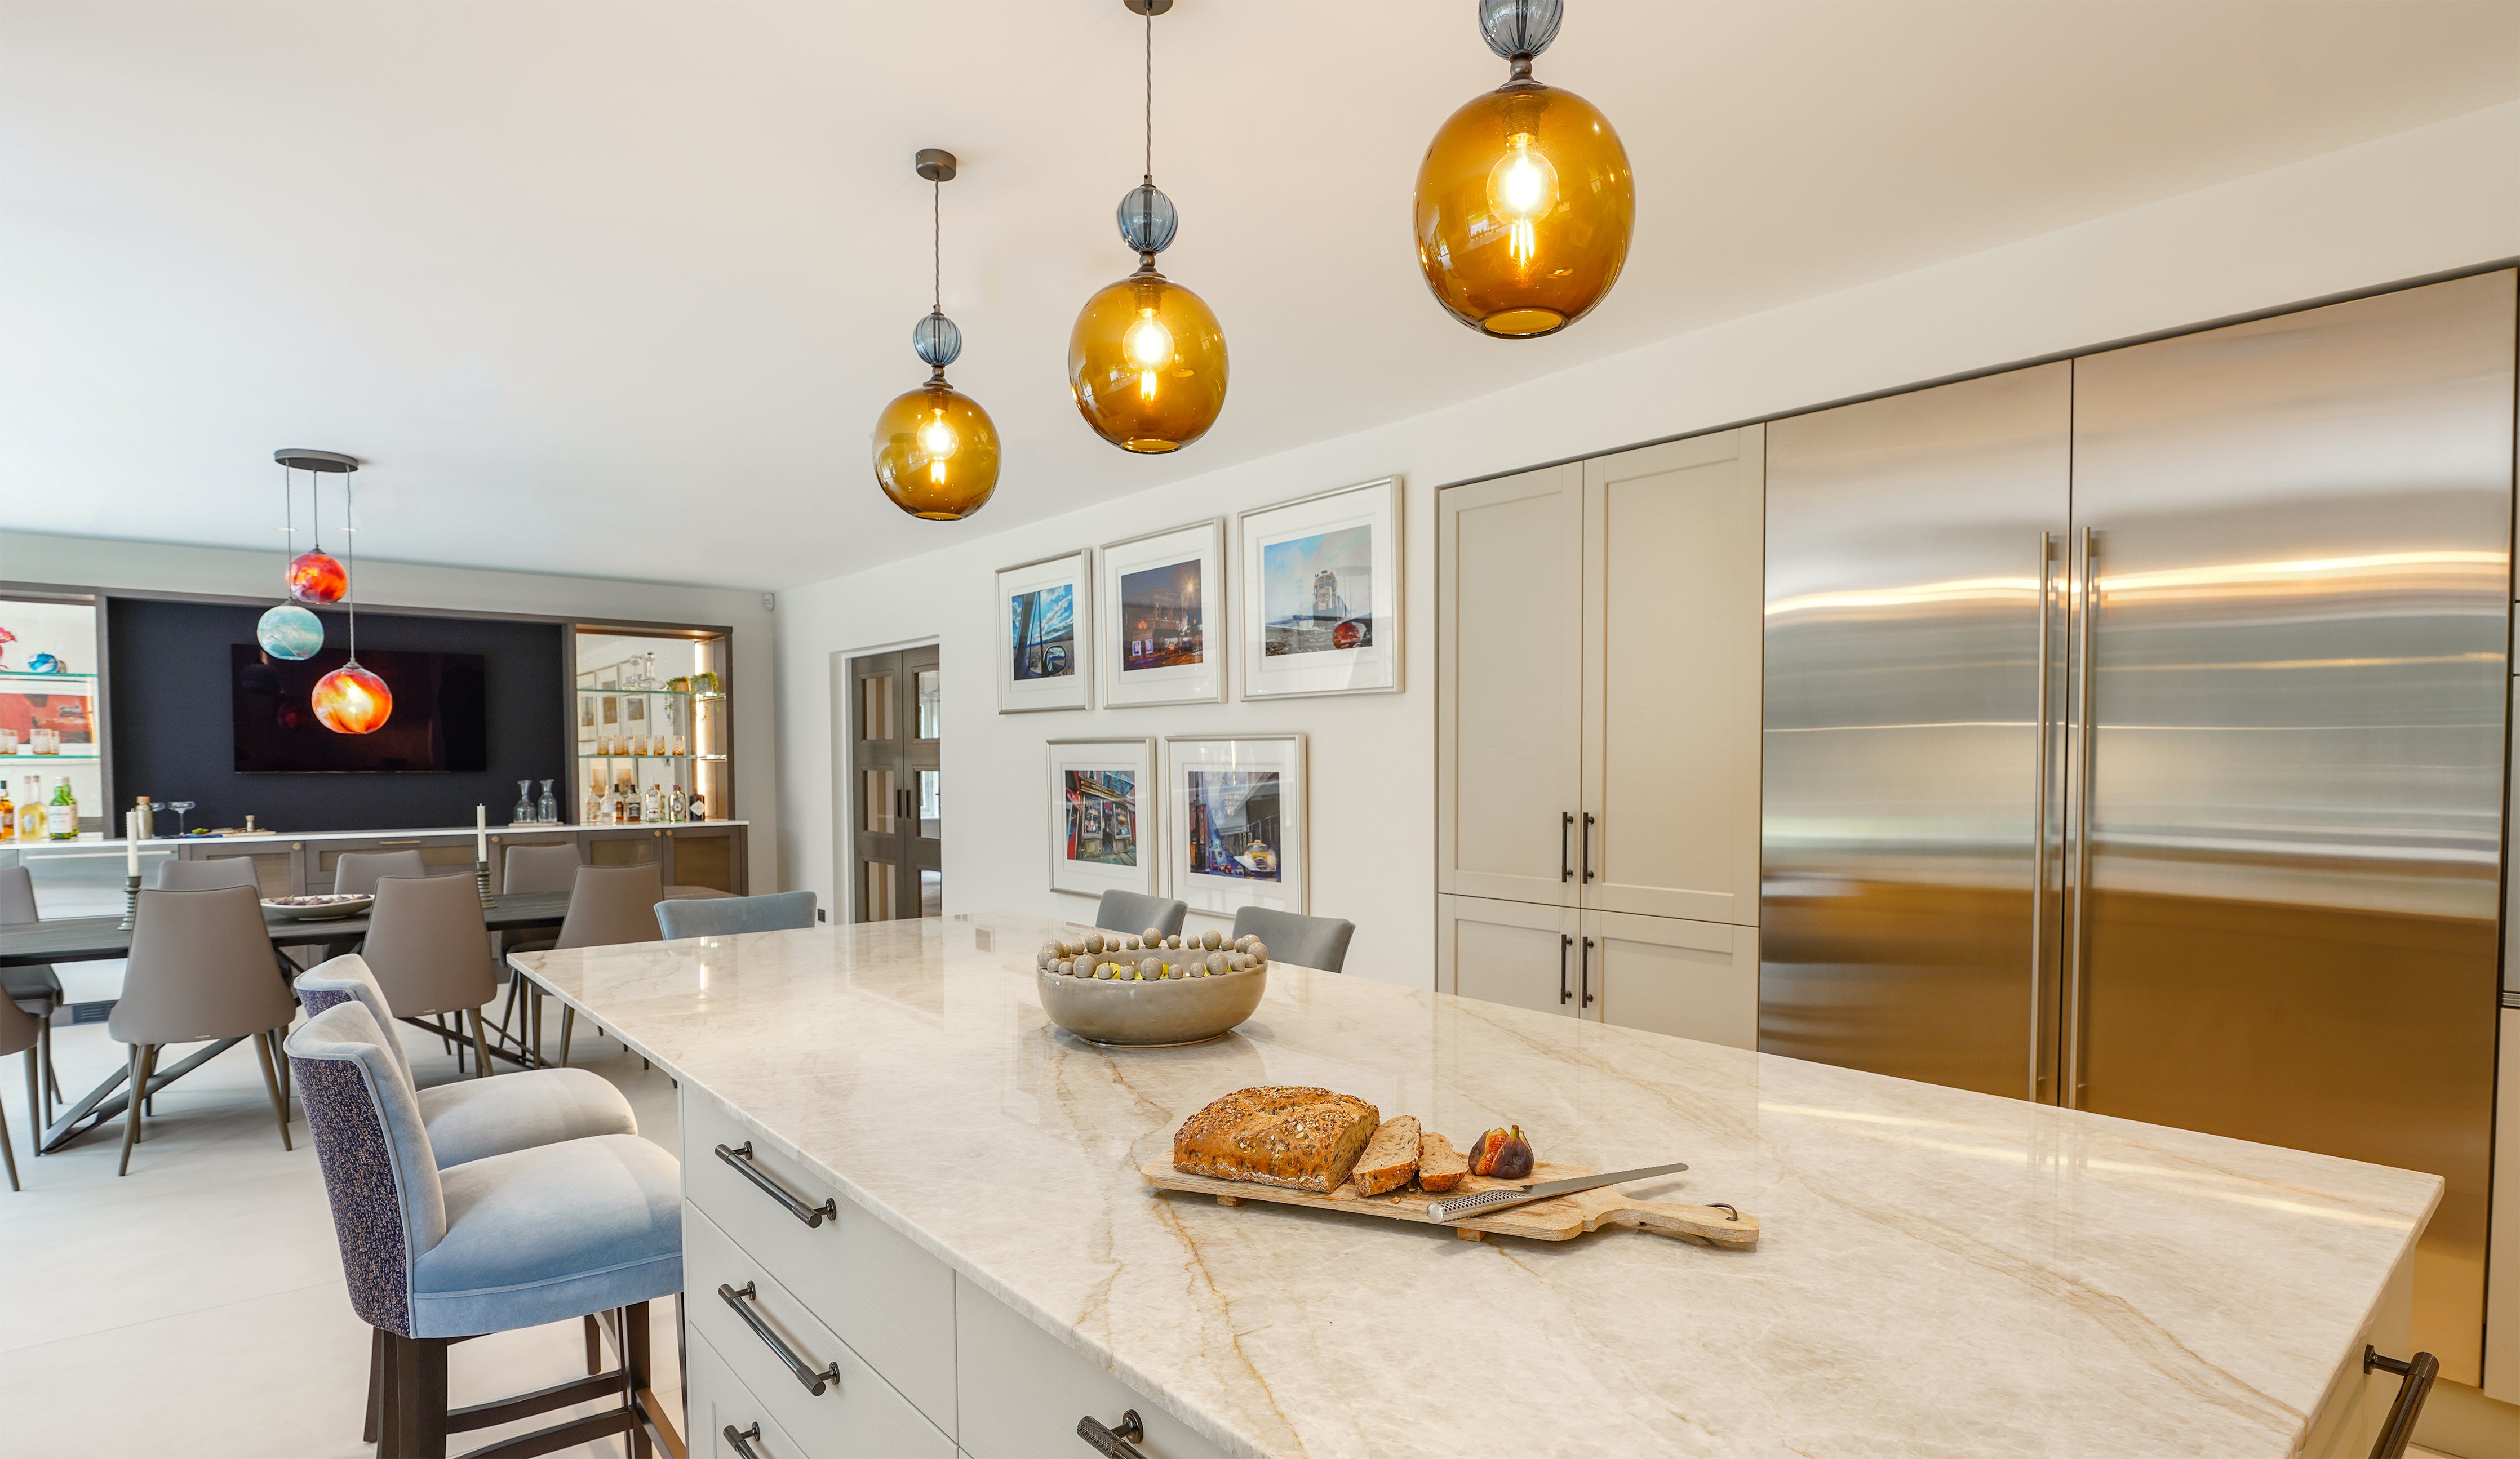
1151,93
288,513
937,246
349,585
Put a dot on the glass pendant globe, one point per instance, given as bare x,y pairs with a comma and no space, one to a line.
1146,364
350,701
290,632
937,453
317,577
1524,208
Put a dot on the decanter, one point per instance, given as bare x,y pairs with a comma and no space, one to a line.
547,809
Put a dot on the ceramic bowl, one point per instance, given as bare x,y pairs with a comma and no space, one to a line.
1174,1010
319,909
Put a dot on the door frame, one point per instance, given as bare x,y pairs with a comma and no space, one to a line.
843,749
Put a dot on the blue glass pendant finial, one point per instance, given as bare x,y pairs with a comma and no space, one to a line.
936,341
1146,218
1520,27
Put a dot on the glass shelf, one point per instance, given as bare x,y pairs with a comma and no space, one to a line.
38,762
48,678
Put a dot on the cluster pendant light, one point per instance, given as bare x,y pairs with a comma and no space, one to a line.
350,700
289,630
935,450
1145,361
1524,202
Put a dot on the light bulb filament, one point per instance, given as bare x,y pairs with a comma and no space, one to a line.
1523,188
1149,347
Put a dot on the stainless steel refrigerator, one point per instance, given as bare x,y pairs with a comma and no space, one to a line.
2135,739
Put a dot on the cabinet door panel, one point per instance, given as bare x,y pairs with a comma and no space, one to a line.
1509,576
1507,952
1692,980
1671,676
1026,1391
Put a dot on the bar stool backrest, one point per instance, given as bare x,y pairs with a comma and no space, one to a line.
378,1170
17,896
730,917
357,871
614,905
428,945
347,979
1292,937
201,967
1136,912
539,869
208,875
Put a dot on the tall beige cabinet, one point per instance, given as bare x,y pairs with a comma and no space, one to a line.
1598,737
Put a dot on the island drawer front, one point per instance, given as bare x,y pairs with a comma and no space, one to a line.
885,1297
715,1401
1038,1388
857,1413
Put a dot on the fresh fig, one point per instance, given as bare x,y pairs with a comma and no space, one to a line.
1505,1153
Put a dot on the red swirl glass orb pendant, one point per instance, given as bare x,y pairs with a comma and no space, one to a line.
317,577
350,701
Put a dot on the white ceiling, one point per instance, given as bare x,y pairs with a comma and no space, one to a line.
618,287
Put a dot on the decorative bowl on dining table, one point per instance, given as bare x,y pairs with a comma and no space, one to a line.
320,908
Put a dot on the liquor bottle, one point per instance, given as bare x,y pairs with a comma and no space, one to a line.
655,802
60,813
676,806
30,811
593,806
698,811
8,815
630,804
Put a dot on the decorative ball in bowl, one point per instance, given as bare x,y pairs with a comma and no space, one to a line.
1150,989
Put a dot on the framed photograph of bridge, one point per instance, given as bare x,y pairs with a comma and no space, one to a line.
1046,634
1320,593
1164,616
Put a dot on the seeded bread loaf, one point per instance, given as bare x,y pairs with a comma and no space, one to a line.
1293,1136
1440,1166
1390,1157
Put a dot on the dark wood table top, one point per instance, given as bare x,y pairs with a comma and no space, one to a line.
86,939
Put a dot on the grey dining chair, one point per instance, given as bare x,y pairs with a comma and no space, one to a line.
525,872
208,875
35,990
1292,937
610,906
200,968
730,917
357,873
430,953
20,1033
1136,912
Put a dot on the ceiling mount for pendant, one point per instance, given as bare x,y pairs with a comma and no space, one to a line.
935,163
1147,7
331,462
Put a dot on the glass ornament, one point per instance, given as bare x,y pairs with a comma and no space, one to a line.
1147,219
317,577
937,340
290,632
350,701
1146,364
936,452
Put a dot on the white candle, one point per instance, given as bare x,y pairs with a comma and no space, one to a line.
482,834
131,842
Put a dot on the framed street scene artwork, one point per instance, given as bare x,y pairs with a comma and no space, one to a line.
1046,635
1103,816
1320,593
1235,804
1164,616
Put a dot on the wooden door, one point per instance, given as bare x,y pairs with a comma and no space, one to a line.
895,711
1692,979
1517,952
1671,639
1509,572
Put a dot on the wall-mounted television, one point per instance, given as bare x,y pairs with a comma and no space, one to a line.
439,714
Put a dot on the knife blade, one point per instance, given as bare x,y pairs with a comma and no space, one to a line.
1486,1202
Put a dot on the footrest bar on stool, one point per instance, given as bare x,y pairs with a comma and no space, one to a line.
559,1437
576,1391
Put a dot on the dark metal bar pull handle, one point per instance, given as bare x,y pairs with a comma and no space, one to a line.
1588,845
1119,1442
1586,966
740,1441
742,1300
741,1158
1565,847
1565,995
2415,1381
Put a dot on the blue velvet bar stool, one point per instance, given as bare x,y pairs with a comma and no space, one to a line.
733,916
503,1242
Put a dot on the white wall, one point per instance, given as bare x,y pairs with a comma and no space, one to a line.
2436,198
93,563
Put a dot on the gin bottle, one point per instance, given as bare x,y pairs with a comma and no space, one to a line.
60,813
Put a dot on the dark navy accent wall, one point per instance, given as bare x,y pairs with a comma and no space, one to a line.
173,737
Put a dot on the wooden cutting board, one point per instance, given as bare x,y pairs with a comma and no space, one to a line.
1558,1219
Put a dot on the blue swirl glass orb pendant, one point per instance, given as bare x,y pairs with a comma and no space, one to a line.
290,632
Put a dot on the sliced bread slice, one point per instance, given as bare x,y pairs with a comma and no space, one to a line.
1390,1157
1440,1166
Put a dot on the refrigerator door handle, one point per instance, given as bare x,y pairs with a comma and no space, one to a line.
2079,931
2039,812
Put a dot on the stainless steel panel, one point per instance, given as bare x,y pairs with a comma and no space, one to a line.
1909,543
2302,527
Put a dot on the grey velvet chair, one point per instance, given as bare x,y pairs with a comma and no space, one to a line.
208,875
34,990
357,873
200,968
503,1242
610,906
17,1034
1136,912
1291,936
731,916
430,953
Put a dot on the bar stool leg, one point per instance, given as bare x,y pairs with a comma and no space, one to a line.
593,1347
635,1366
376,1385
419,1398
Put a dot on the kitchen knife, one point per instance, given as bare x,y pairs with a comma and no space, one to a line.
1486,1202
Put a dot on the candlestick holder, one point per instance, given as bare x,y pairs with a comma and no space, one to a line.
130,902
481,879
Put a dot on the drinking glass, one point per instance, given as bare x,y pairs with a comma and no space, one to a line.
179,808
523,814
548,811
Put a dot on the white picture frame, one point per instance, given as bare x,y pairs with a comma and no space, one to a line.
1165,593
1299,562
1217,823
1053,672
1102,798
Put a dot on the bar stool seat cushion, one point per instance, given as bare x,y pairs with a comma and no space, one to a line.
474,1119
552,1233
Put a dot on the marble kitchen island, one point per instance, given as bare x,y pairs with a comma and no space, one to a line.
1939,1273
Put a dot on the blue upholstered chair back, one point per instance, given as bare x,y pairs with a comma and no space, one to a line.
379,1171
1292,937
1136,912
347,978
727,916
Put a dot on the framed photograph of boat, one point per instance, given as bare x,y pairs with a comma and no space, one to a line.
1320,593
1164,616
1046,634
1235,804
1103,816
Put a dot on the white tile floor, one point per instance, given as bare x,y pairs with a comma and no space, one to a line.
196,1308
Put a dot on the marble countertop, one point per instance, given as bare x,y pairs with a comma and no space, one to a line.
1940,1272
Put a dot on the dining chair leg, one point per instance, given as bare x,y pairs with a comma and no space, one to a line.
131,1125
567,1020
271,1085
52,1075
419,1398
35,1116
376,1385
9,1147
480,1046
279,1056
593,1347
534,1013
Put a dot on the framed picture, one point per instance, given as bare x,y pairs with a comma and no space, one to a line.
1103,816
1320,593
1164,611
1046,635
1235,804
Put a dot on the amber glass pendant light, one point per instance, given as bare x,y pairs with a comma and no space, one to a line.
1146,359
935,450
1524,199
